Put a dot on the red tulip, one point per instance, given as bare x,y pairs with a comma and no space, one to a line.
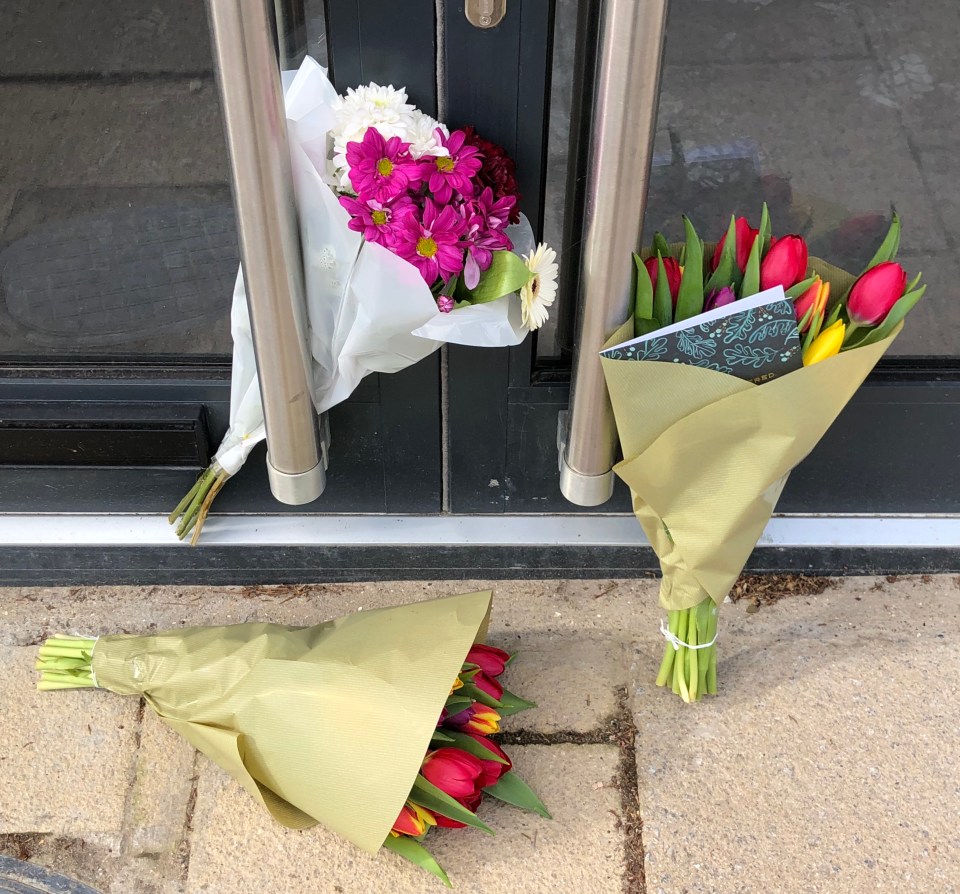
745,236
454,771
492,769
489,659
674,273
785,263
475,719
875,292
471,803
488,685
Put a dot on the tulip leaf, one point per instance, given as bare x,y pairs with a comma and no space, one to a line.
690,299
661,245
457,703
913,284
513,704
797,290
766,231
805,319
726,273
895,315
439,736
643,306
889,247
506,274
416,853
662,299
472,746
427,795
476,694
644,326
751,276
511,789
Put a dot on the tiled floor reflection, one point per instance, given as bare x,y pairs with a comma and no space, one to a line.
830,112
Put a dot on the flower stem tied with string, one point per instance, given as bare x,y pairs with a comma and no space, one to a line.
689,663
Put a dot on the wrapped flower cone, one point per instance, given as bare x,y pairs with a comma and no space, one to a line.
706,456
324,724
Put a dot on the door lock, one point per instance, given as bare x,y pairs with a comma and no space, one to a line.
485,13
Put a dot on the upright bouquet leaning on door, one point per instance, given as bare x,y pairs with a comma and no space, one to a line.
411,237
763,348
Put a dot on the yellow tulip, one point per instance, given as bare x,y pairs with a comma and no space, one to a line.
826,344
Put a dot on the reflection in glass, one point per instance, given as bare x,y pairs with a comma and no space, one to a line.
831,113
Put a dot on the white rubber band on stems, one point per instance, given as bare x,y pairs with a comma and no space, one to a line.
676,642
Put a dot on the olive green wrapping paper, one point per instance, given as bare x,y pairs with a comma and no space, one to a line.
325,724
706,454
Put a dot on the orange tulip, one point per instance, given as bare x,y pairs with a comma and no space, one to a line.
815,300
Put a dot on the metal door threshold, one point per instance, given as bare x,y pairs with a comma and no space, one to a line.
78,549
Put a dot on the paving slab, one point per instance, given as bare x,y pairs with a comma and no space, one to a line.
827,763
66,757
237,847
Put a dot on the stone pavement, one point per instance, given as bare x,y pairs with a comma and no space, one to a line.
827,763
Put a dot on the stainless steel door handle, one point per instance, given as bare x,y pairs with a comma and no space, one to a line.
627,86
255,127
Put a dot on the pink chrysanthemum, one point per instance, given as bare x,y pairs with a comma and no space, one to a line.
377,220
483,235
444,174
445,304
432,244
381,169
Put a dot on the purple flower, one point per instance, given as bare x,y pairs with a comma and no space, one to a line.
720,298
485,220
432,244
377,220
381,169
445,304
446,173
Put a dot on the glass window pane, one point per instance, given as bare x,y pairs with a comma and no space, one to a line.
830,112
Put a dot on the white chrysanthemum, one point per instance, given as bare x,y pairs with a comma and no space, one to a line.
423,138
538,294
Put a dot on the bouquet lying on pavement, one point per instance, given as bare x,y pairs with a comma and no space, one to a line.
352,723
737,360
412,237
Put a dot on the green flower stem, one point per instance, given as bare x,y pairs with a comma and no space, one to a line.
691,672
66,662
193,508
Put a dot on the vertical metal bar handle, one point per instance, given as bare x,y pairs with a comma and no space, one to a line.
621,144
255,126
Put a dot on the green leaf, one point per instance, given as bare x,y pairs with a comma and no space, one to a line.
511,789
896,314
751,276
417,854
662,300
890,245
507,273
426,794
644,327
476,694
643,306
725,274
766,230
439,736
690,299
457,703
661,245
472,746
795,291
513,704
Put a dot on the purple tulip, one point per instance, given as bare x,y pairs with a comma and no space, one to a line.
720,298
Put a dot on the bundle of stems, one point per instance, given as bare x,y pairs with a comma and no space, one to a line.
691,671
193,508
66,662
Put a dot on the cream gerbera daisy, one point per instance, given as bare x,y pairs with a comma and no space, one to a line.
538,294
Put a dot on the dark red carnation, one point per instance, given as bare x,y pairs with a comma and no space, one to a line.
499,171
